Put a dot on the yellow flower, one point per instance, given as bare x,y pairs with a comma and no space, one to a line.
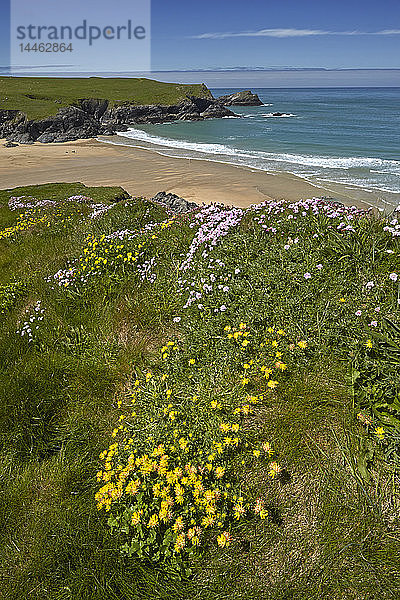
280,365
266,446
136,517
224,539
238,511
208,521
191,361
183,443
216,405
272,384
368,344
256,453
153,521
302,344
180,542
275,469
380,433
219,472
178,525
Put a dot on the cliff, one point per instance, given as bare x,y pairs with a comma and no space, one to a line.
89,117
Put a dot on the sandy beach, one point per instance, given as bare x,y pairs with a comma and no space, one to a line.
144,172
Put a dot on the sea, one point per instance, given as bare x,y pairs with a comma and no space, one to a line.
346,140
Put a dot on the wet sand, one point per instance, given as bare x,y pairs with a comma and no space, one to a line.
144,172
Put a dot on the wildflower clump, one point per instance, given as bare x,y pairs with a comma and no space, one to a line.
169,480
109,255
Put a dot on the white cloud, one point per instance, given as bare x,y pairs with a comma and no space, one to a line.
287,33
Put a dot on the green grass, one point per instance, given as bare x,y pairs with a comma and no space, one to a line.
44,96
331,533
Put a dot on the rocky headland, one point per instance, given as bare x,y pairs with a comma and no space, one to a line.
89,117
244,98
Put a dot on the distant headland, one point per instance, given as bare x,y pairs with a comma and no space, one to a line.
47,110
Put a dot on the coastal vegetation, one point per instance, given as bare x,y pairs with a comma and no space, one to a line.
203,404
40,97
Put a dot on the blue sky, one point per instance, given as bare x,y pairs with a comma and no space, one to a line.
217,34
239,42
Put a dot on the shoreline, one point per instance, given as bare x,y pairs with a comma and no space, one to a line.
145,171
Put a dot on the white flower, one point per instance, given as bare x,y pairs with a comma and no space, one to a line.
393,276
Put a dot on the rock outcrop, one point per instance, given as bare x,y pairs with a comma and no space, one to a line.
174,203
90,117
245,98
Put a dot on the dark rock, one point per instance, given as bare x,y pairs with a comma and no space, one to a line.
174,202
93,106
245,98
9,120
217,111
191,109
90,117
277,114
10,145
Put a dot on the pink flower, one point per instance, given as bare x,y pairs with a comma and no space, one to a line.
378,309
373,324
358,313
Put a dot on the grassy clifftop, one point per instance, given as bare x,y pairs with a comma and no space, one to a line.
197,406
40,97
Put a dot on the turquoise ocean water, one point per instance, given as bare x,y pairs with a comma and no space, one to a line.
345,139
